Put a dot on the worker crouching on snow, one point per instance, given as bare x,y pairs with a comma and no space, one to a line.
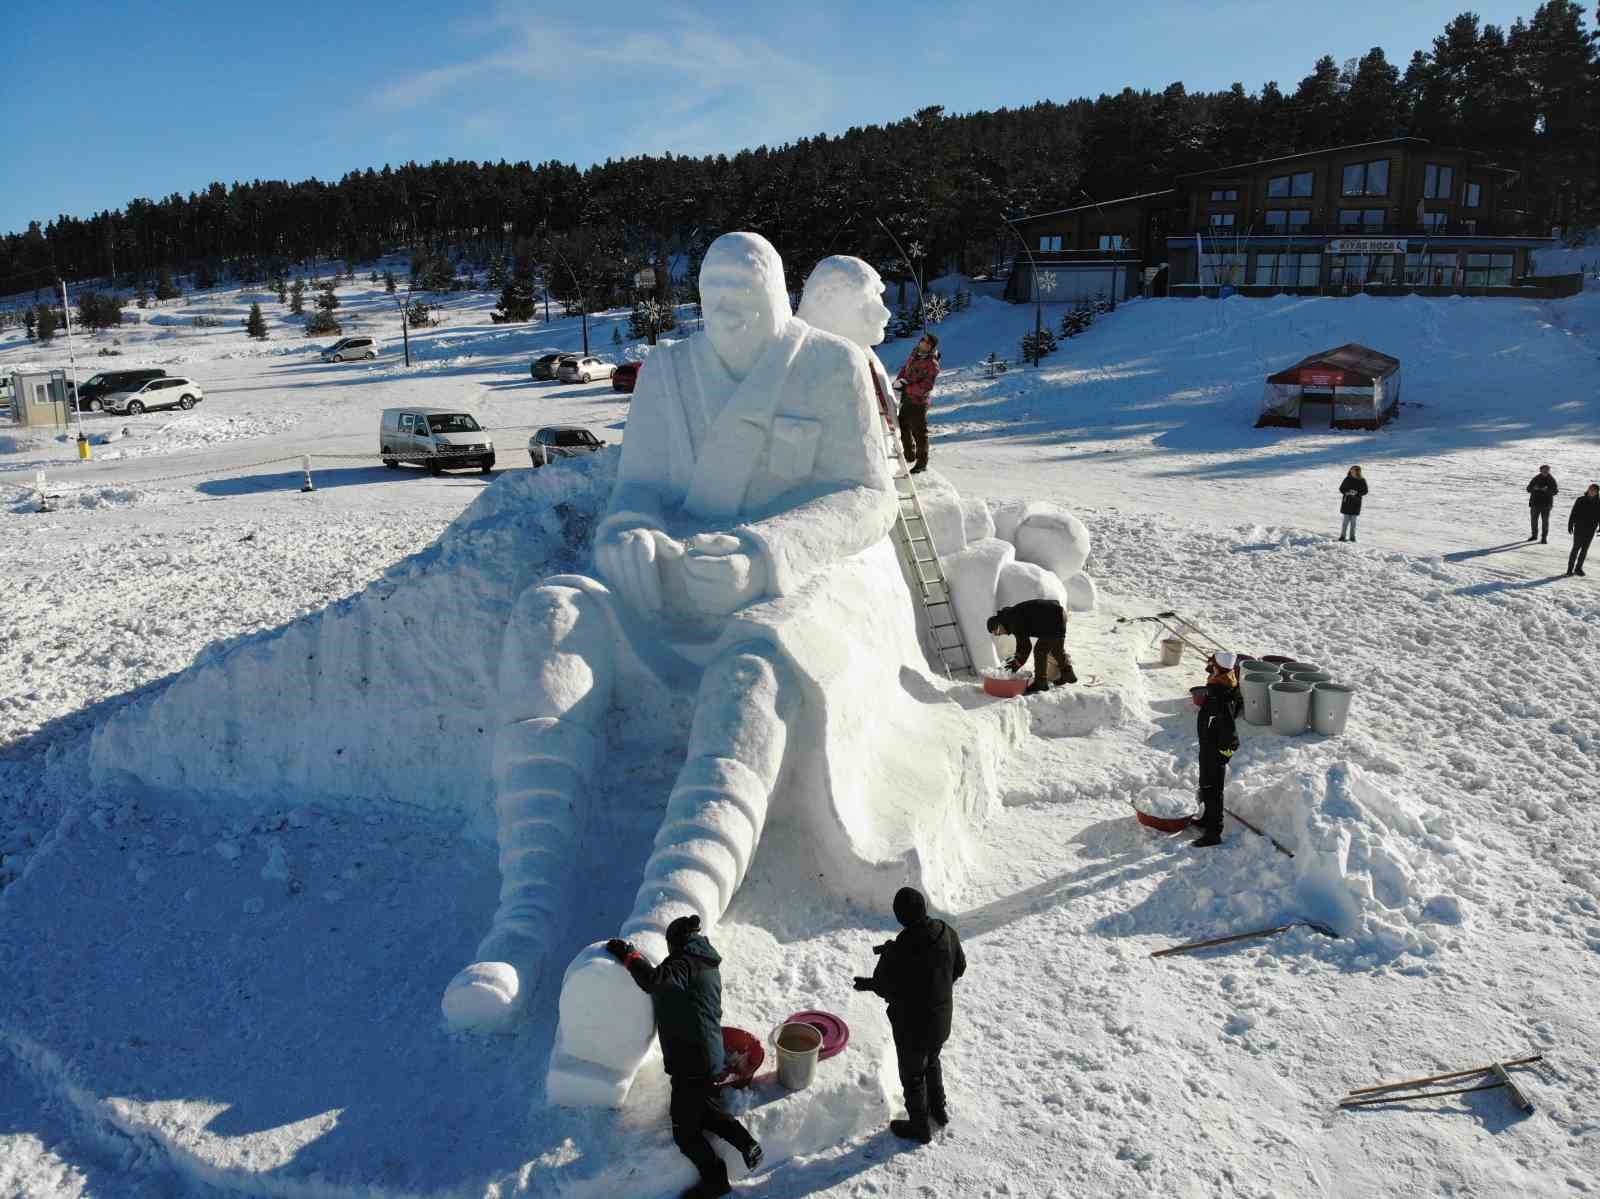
1046,620
686,996
916,973
1219,738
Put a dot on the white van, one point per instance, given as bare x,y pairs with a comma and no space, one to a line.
347,348
438,438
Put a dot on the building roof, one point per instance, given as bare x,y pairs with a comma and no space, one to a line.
1357,359
1034,216
1388,141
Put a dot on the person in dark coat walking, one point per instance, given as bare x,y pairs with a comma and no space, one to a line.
1219,739
915,384
916,973
1352,487
1542,491
1581,524
1046,620
686,996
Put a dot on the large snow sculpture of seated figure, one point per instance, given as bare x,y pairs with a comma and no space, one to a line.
748,525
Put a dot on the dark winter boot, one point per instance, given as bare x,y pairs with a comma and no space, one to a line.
1068,675
1035,687
936,1103
916,1128
1207,838
711,1185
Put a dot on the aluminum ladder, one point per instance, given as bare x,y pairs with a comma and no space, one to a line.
921,556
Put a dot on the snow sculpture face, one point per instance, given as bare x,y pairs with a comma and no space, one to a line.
744,299
843,296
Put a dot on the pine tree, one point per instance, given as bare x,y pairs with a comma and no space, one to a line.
283,290
517,301
47,324
297,297
419,316
142,297
30,323
326,300
616,338
255,324
166,289
388,282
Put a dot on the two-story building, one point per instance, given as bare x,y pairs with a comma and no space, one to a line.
1388,216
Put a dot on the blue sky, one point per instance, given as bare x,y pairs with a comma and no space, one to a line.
148,97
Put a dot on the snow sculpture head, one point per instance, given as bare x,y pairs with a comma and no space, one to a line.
743,296
843,296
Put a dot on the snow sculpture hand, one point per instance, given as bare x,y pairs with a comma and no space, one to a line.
719,576
631,563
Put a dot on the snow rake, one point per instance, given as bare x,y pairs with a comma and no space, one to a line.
1176,824
1192,946
1169,621
1416,1088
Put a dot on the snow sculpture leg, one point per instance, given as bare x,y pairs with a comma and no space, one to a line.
706,842
556,679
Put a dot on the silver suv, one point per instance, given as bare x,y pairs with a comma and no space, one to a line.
561,441
166,392
347,348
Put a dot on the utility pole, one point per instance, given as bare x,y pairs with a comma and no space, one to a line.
405,320
1038,302
66,308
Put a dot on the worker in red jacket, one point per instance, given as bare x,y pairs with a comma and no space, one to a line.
915,385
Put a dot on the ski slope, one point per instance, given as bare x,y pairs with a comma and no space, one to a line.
230,985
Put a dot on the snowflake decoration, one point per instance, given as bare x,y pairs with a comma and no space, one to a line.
1047,282
915,249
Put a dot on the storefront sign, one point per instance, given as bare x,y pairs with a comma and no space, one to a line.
1318,378
1367,245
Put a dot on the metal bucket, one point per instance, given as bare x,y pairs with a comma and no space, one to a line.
1291,707
1257,704
1330,708
1171,651
798,1046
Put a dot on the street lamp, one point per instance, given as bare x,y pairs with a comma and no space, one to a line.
1038,299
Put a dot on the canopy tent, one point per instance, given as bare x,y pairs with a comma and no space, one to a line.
1359,386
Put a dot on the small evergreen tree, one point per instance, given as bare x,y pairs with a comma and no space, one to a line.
255,324
517,299
497,272
205,276
166,289
142,297
322,322
388,282
30,323
326,300
297,297
616,339
47,324
419,316
283,290
372,277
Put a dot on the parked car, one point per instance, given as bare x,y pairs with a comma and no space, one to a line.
544,366
92,391
625,377
581,370
169,391
561,441
438,438
348,348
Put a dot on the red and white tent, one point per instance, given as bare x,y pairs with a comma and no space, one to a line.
1356,387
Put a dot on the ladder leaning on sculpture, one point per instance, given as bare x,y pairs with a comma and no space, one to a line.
915,539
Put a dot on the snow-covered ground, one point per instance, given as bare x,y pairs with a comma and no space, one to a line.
238,993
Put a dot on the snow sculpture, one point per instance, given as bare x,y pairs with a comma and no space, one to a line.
745,557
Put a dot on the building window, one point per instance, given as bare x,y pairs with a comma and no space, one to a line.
1288,218
1224,193
1288,270
1221,220
1362,218
1298,184
1113,241
1431,270
1489,270
1434,222
1350,271
1222,268
1437,181
1049,242
1471,194
1367,178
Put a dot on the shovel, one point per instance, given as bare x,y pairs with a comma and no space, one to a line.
1191,946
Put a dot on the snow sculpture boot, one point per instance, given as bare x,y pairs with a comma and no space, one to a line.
937,1109
712,1184
916,1128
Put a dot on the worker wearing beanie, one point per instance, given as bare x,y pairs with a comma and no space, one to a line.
686,996
916,973
1219,738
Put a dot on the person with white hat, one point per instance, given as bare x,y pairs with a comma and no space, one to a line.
1219,739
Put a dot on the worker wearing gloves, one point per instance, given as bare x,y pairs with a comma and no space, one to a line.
1219,739
1046,620
916,973
686,996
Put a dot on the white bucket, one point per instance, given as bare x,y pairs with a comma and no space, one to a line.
1256,666
1290,668
1291,707
1257,705
1309,676
798,1046
1330,708
1171,651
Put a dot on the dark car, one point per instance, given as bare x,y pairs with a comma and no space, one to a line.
626,377
92,392
544,366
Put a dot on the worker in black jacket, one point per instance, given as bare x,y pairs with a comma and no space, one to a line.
1581,524
1046,620
1352,488
1219,739
686,995
1542,492
916,973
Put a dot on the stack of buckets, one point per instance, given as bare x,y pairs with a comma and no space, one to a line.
1293,696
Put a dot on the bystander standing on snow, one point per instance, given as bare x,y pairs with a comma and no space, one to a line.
1581,524
1352,487
686,996
915,382
1542,492
916,973
1219,738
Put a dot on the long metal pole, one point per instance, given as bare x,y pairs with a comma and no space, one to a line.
911,269
66,309
1038,302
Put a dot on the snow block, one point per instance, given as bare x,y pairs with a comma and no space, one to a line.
1082,594
1053,538
1021,581
946,513
974,576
